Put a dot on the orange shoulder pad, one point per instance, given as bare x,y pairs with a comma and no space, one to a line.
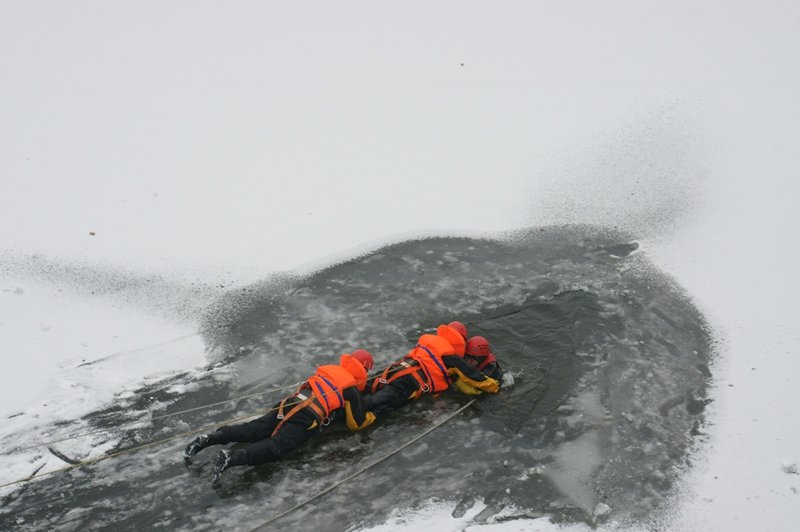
454,338
356,370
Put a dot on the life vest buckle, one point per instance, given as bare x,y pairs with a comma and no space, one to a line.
424,387
326,421
280,416
382,380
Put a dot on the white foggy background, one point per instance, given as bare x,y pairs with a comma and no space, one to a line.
208,145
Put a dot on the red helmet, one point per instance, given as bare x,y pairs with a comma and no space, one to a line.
477,346
363,356
457,325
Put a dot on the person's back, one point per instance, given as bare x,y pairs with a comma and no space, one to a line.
429,368
296,418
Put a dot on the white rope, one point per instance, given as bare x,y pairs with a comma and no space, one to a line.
164,416
263,526
140,421
130,450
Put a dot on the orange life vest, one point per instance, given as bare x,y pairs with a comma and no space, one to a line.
425,363
326,387
327,384
458,342
356,369
428,354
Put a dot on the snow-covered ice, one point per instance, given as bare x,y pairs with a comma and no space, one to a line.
157,155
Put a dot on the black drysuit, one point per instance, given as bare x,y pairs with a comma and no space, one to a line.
400,391
492,369
294,431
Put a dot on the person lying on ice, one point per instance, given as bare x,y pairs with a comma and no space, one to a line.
478,354
429,367
295,419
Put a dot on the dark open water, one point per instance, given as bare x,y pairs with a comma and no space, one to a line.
610,361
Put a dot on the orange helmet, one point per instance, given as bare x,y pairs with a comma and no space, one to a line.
478,346
458,326
363,356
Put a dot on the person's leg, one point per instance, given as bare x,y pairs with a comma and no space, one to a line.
251,431
292,434
392,396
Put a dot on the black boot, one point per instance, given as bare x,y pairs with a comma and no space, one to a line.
201,442
227,459
196,445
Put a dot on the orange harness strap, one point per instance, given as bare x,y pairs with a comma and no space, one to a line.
413,369
306,402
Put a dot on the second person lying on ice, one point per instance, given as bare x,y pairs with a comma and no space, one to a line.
332,389
429,368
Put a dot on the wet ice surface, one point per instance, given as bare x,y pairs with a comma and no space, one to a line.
609,357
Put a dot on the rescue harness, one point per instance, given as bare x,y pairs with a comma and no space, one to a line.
411,366
297,402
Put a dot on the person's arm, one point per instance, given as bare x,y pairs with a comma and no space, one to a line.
458,367
494,371
356,414
465,388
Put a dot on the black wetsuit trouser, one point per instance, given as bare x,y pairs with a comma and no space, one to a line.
392,396
295,431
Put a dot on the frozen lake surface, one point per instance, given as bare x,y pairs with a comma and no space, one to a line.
610,361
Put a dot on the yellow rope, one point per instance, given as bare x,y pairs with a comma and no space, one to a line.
155,418
263,526
158,442
133,449
172,414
